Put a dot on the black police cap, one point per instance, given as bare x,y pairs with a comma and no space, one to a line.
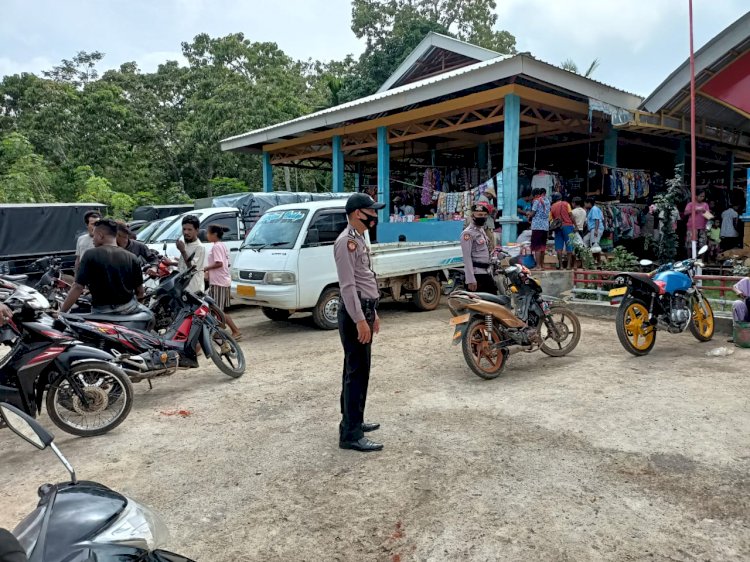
358,201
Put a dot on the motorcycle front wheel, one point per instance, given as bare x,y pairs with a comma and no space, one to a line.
634,331
481,358
109,399
226,353
568,330
702,324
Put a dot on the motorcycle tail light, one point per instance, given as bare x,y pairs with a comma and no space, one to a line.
662,286
203,311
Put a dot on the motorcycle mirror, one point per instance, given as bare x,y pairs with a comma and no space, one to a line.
703,250
646,263
26,427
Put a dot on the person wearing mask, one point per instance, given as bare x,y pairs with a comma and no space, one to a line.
539,216
730,236
112,275
701,208
138,249
192,253
475,247
561,211
86,240
358,320
219,280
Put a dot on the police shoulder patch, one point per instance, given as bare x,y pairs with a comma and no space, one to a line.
351,245
467,236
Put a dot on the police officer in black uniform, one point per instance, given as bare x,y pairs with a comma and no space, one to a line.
358,319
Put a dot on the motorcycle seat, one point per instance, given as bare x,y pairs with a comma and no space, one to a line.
502,300
20,278
142,319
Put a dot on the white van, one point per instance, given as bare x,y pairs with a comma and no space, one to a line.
286,264
228,217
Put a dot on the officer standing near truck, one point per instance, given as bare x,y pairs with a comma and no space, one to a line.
475,248
358,319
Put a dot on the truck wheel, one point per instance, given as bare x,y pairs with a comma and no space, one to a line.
275,314
428,295
326,312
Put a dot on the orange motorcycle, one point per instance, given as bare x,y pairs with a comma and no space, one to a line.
490,327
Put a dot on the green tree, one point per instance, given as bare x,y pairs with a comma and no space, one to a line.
24,177
225,186
96,189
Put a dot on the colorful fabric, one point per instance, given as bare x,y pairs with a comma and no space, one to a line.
540,207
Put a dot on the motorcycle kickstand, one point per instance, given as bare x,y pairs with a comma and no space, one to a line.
150,386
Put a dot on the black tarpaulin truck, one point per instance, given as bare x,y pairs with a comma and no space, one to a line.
29,231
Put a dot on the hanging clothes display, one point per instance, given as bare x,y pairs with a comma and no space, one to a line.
543,179
625,183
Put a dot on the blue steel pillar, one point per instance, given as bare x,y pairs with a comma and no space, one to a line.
384,173
267,172
338,165
610,148
511,140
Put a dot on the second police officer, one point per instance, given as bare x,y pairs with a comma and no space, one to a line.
475,247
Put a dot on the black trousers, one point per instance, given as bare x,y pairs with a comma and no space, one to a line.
356,374
485,283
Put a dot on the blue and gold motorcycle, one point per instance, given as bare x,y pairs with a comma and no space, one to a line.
666,299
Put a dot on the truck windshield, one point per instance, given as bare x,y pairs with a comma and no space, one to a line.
278,229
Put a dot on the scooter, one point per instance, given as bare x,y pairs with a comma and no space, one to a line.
84,521
666,299
85,392
492,327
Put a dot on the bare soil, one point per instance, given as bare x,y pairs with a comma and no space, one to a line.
595,456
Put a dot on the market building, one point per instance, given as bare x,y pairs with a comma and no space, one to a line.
456,120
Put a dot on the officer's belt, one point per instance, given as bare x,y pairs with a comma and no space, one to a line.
480,265
367,303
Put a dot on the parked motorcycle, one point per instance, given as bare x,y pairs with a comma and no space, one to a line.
86,393
84,521
145,355
492,327
54,285
666,299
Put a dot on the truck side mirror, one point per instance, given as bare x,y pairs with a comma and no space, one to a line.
313,237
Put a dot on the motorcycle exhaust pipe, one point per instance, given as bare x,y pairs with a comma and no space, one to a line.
517,349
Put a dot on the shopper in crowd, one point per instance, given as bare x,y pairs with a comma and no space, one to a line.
561,211
701,221
579,217
730,235
138,249
595,226
741,307
219,280
714,240
539,215
401,207
524,208
86,240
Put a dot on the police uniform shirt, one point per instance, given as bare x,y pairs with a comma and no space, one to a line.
355,274
475,248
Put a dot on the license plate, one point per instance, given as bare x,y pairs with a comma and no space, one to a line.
459,319
618,292
246,290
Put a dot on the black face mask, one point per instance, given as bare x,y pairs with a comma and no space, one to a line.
370,222
479,221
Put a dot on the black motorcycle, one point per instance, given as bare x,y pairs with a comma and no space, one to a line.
86,393
54,285
84,521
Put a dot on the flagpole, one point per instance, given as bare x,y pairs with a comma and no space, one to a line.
694,233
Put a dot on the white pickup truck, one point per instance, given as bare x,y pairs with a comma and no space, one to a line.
286,264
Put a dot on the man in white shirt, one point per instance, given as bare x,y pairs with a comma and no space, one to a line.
730,237
86,240
192,252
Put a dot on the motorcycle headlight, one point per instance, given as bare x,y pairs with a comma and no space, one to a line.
137,526
280,278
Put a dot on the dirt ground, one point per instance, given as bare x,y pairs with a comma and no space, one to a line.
596,456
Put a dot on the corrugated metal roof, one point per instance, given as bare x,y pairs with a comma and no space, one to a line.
474,75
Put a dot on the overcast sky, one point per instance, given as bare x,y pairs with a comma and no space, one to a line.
639,42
